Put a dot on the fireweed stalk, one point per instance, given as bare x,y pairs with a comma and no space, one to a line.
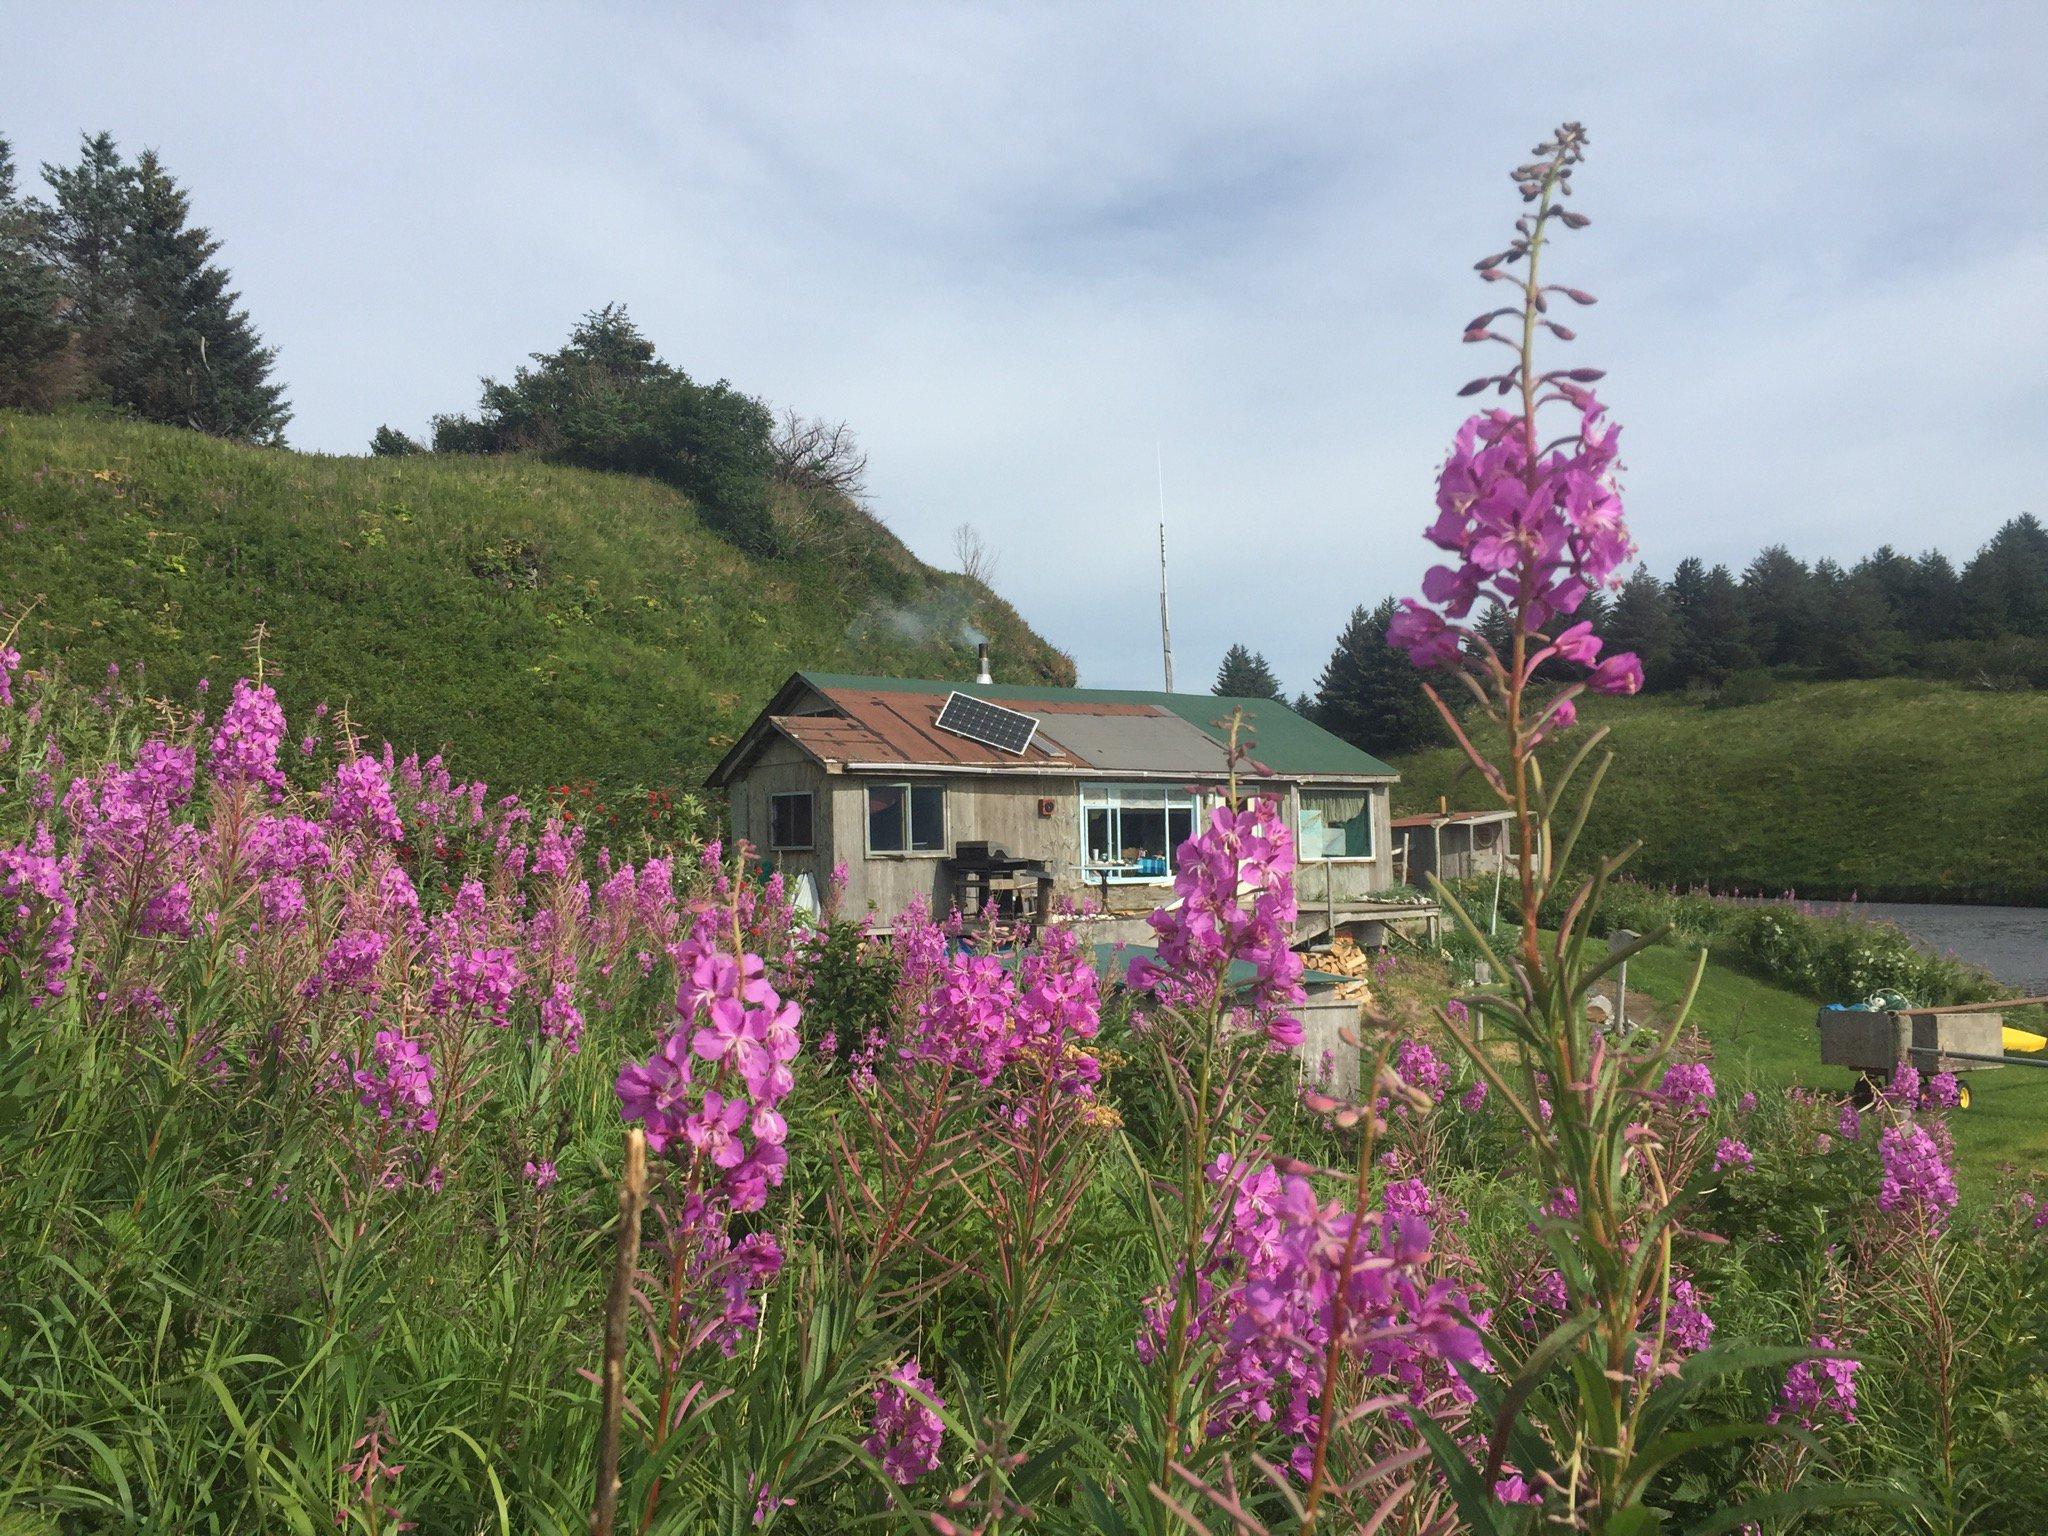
1533,523
1282,1316
1208,1041
708,1100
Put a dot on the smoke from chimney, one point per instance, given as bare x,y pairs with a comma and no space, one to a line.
981,655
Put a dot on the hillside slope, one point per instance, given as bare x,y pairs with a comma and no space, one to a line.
543,624
1902,790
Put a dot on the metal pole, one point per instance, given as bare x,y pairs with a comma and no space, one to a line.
1996,1061
1165,626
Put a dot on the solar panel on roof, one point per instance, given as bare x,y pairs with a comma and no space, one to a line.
990,724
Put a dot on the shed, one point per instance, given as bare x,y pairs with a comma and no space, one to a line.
1451,845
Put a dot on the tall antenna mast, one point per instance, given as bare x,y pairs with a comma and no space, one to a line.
1165,625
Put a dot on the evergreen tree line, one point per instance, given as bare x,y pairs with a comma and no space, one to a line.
1723,636
110,296
1888,615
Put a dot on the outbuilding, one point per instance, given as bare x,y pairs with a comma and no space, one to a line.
1452,845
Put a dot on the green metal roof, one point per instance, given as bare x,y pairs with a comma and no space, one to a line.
1283,740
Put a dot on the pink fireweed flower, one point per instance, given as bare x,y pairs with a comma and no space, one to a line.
1532,537
1621,673
1688,1089
903,1431
1849,1123
1210,924
1818,1389
1474,1097
1687,1327
1904,1089
478,983
732,1129
359,800
1513,1488
657,1092
541,1175
282,901
966,1019
1417,1065
398,1082
350,964
560,1018
1917,1178
10,660
1942,1092
38,919
1267,1292
285,845
245,745
1731,1153
919,944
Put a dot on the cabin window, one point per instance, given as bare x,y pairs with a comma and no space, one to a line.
790,827
906,818
1134,831
1336,824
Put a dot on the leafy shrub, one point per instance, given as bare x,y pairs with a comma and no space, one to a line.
1743,689
604,400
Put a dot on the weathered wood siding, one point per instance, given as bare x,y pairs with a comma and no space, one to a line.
782,769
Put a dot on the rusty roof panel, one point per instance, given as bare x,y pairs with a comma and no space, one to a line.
884,727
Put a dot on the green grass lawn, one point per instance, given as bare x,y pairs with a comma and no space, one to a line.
1903,789
1764,1035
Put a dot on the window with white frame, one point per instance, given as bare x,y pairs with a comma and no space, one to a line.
1336,824
906,818
790,822
1133,831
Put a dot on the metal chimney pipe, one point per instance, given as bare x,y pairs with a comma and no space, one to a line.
981,655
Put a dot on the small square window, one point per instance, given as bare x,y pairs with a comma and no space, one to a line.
1335,825
906,818
789,823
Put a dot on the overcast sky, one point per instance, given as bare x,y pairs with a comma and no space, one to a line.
1022,249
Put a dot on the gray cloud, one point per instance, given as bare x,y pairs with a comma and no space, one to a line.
1018,247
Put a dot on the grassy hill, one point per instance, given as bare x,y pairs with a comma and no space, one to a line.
542,624
1902,790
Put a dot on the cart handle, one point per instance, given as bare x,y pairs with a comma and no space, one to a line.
1996,1061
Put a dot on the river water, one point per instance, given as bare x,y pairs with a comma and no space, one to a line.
2009,942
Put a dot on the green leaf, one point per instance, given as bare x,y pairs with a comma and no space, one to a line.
1797,1501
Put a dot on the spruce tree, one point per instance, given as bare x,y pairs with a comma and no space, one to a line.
151,321
81,237
31,336
1933,610
1370,694
1857,635
187,356
1641,622
1713,630
1245,674
1777,599
2006,586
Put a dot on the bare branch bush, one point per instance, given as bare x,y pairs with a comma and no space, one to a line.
977,559
814,454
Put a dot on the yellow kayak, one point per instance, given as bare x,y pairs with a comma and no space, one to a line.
2024,1041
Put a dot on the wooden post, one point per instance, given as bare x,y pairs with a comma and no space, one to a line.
625,1260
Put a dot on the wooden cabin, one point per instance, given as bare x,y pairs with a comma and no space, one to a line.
970,793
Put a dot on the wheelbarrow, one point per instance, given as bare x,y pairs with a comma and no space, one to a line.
1957,1038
